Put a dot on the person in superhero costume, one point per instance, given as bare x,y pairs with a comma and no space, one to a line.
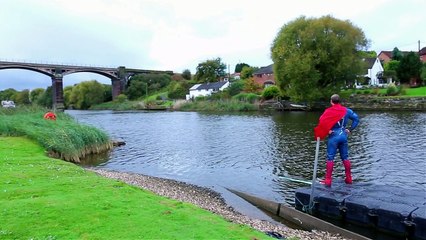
332,123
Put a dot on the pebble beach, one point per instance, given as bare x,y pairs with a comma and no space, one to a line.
209,200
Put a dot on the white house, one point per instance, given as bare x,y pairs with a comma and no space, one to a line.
373,70
8,104
206,89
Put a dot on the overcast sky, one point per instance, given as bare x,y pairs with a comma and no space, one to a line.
178,34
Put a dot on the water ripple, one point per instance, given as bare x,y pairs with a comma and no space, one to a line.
250,152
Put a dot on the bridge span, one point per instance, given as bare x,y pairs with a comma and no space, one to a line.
119,76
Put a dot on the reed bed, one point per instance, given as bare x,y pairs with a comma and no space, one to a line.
219,105
62,138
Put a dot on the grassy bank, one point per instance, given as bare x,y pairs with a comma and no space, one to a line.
219,105
44,198
63,138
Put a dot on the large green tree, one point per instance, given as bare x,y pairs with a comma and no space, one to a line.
390,69
35,94
186,74
143,84
23,97
409,68
396,54
86,94
314,57
210,71
423,73
239,67
45,99
247,72
8,94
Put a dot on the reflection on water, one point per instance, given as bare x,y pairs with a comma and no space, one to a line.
249,152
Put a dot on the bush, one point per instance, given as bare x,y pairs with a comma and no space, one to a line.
271,92
121,98
246,97
392,90
200,98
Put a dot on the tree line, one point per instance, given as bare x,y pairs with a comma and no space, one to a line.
312,58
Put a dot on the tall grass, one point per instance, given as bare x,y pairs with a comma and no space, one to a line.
221,105
64,138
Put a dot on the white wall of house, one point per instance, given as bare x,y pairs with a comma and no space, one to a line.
193,92
372,73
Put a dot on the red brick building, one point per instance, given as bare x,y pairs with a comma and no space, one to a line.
264,76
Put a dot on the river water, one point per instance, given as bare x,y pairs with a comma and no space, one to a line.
250,152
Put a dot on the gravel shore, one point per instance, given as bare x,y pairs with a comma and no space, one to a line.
209,200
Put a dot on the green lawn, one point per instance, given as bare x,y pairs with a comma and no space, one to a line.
416,92
406,92
46,198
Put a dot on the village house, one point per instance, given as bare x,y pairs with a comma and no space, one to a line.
206,89
422,54
373,69
264,76
386,56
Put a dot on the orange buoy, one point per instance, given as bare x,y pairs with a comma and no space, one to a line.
50,116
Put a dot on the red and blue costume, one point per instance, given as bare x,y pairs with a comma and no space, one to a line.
332,123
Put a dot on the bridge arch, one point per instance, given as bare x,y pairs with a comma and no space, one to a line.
56,73
42,71
119,76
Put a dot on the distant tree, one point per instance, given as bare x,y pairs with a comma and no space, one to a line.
210,71
177,77
107,92
315,57
250,86
35,94
186,74
368,54
396,54
23,97
391,65
390,69
143,84
423,73
45,99
137,89
86,94
8,94
239,67
235,87
67,96
409,68
177,90
247,72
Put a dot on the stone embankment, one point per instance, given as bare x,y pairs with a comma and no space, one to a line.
356,102
394,103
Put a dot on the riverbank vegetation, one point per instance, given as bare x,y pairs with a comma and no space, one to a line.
43,198
312,59
62,138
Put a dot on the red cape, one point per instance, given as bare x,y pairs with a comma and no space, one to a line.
327,120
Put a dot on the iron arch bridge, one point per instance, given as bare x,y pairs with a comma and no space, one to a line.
119,76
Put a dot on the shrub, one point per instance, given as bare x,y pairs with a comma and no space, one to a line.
246,97
121,98
392,90
271,92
